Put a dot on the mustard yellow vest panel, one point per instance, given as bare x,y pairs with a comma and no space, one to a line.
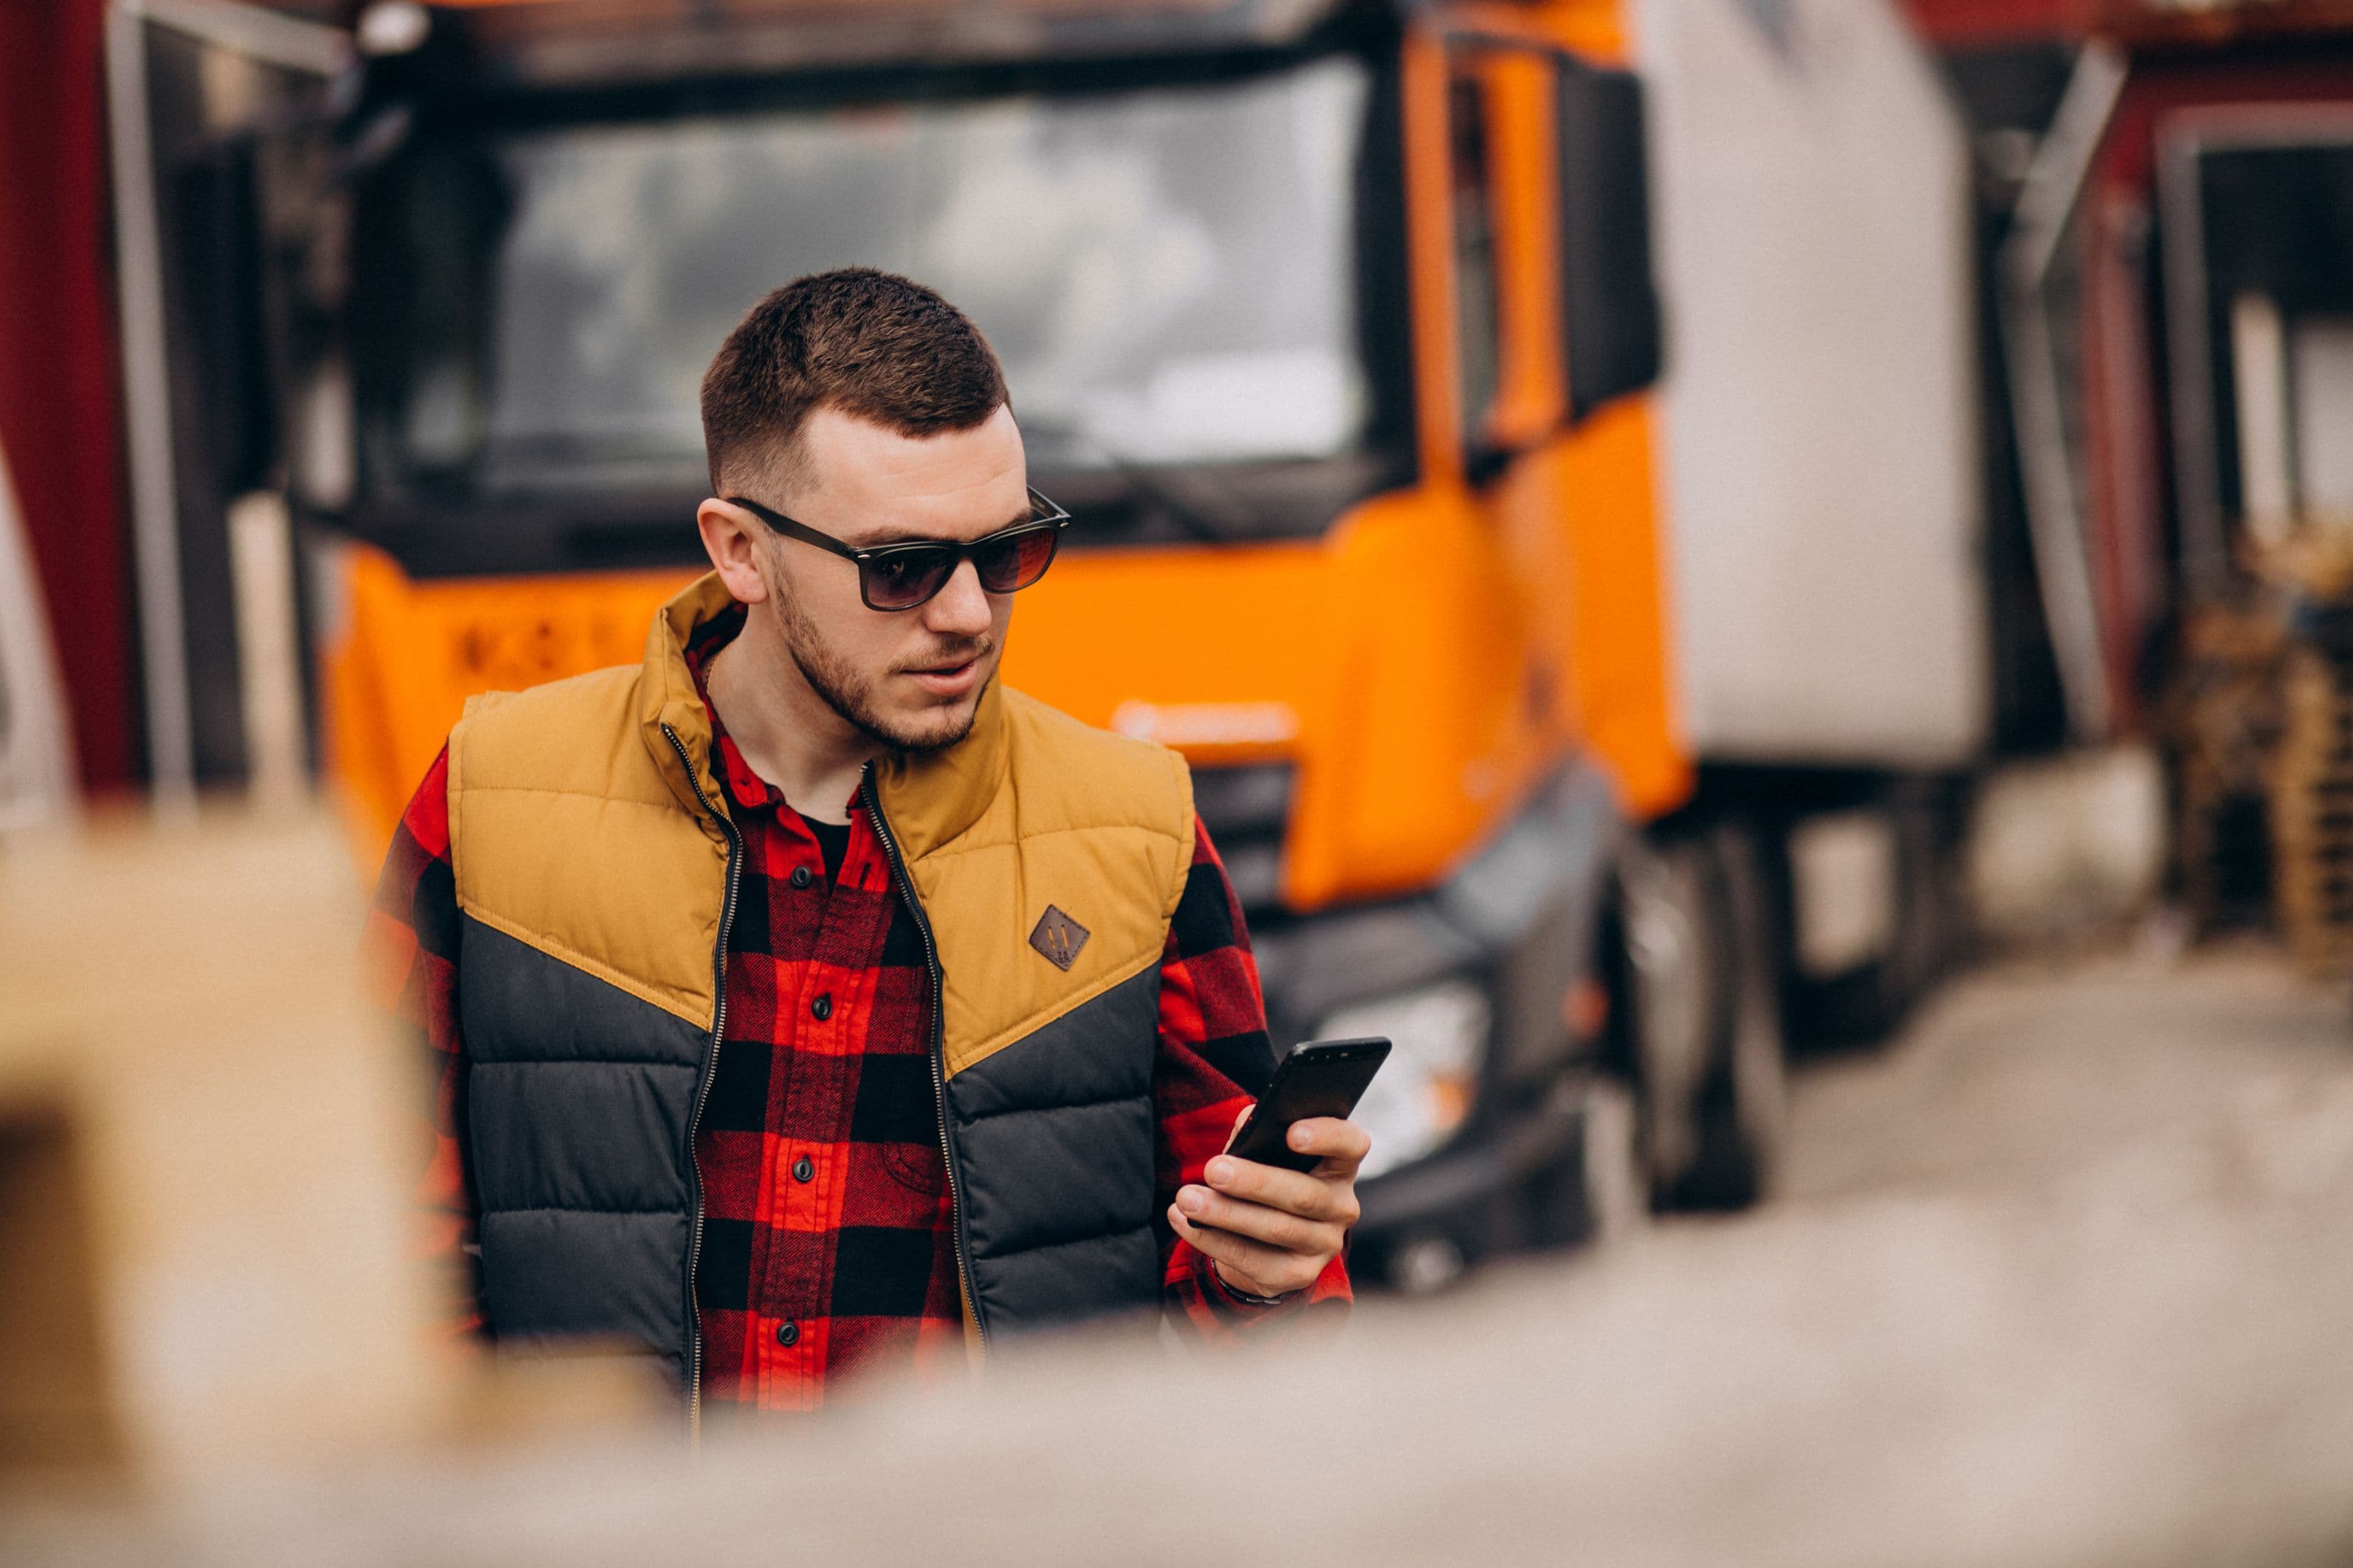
591,853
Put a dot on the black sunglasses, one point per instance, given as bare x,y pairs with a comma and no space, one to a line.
903,576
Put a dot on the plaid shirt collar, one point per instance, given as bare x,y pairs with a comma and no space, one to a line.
744,788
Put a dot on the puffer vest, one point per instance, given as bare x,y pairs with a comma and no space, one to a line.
597,873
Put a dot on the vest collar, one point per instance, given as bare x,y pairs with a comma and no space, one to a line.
934,798
667,702
929,799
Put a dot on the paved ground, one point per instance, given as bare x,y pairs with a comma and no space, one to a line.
2061,1278
2018,1074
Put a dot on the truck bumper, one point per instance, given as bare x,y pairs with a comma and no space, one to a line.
1516,1186
1520,921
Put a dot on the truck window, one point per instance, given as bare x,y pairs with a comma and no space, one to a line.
1608,300
1170,273
1478,327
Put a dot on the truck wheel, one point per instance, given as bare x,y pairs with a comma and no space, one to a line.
1740,1115
1673,998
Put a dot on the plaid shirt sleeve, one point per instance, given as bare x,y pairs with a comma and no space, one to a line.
1213,1040
411,953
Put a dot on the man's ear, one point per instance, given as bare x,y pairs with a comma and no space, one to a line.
732,538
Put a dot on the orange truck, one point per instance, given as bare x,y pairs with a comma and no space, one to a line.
1339,326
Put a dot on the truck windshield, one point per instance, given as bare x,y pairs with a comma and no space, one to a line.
1168,274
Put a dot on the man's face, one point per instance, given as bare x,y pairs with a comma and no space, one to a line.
909,679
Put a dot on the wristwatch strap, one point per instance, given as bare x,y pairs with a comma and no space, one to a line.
1235,1293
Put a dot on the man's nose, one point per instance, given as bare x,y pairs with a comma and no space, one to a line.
961,608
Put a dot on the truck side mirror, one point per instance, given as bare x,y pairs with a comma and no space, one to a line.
1609,303
1485,461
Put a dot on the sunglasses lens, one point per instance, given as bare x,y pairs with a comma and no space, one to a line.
1016,562
905,578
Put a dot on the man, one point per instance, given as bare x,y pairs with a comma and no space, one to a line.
803,1001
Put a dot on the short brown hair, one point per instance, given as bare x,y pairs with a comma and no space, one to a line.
874,345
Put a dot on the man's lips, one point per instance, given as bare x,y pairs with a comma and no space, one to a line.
947,679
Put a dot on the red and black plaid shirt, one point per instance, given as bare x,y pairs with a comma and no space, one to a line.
827,1241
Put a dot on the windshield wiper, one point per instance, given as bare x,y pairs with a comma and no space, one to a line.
1139,481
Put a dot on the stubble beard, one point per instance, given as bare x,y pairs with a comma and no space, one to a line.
850,695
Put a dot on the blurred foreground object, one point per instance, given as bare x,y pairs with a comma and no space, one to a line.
201,1228
2069,1291
206,1145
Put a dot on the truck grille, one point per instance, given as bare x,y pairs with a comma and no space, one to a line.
1246,810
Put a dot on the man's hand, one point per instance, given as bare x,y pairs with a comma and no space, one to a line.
1269,1231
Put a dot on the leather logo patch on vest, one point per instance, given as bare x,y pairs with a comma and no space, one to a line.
1058,937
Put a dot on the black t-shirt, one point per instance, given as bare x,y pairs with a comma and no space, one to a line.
832,842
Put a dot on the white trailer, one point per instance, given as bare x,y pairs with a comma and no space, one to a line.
1810,182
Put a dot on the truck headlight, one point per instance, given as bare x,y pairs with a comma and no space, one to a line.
1423,1093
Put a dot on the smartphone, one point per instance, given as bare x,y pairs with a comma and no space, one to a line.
1322,1078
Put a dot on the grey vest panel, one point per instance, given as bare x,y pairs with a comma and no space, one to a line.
580,1095
1054,1139
1113,1275
552,1275
578,1100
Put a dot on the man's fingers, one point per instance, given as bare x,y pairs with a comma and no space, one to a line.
1274,1227
1268,1270
1293,1191
1332,1138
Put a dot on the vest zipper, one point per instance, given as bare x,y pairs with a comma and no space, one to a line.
703,1086
873,799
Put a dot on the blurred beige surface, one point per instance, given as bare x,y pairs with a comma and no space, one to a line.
201,1210
2113,1335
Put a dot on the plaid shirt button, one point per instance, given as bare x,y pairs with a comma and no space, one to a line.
801,877
788,1333
822,1008
803,1169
